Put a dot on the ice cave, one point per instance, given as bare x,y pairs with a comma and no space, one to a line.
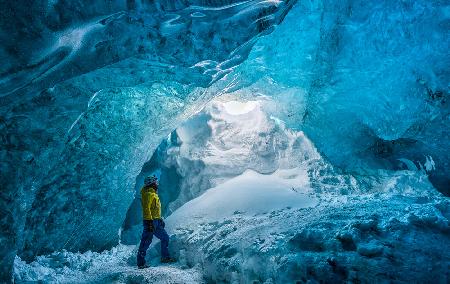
294,141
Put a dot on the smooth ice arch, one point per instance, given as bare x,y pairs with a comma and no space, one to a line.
90,89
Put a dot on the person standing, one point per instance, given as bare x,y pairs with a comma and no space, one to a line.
153,223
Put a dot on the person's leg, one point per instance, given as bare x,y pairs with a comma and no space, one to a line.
162,235
146,240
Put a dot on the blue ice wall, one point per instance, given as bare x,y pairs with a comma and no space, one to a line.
371,79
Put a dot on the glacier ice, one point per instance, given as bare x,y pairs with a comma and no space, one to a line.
90,88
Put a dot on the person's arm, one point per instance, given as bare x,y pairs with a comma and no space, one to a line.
146,204
156,205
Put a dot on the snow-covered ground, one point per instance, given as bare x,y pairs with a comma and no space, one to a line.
117,265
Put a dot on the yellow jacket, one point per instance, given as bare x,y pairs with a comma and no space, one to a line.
151,206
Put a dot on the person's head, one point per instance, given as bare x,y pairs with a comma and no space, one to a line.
151,181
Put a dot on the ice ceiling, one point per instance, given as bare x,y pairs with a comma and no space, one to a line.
90,88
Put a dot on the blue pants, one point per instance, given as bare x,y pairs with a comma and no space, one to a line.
147,236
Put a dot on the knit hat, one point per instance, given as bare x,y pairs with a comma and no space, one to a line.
150,180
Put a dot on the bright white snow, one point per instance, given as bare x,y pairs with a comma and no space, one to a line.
250,193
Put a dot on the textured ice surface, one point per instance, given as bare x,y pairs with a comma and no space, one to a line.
277,229
366,80
46,43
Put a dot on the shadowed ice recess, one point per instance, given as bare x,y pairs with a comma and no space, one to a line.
338,111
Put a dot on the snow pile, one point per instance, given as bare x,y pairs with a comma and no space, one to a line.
250,193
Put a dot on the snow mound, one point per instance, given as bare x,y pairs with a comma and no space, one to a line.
250,193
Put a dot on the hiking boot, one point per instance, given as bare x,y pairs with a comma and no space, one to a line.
143,266
167,260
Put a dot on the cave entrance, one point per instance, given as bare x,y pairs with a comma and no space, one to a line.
227,137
